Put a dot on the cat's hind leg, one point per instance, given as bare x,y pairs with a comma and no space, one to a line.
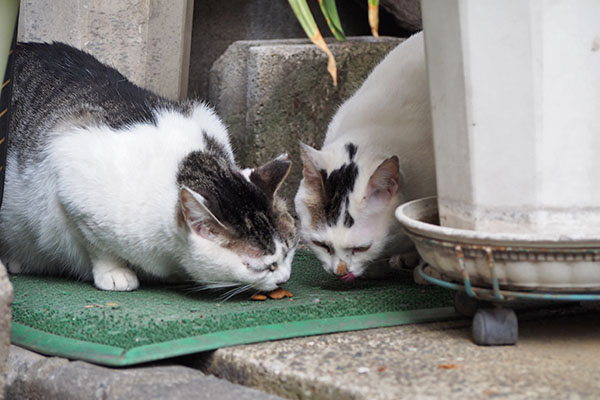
113,274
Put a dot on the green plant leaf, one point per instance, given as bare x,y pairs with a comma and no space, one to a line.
305,17
333,19
374,17
309,25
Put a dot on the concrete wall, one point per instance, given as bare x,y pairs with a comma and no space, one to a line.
146,40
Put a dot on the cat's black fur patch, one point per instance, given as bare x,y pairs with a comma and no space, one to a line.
351,149
236,202
75,86
213,146
338,185
348,220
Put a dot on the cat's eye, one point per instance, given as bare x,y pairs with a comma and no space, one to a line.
360,249
323,245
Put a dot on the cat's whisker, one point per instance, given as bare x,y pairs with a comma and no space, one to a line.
234,292
259,281
218,285
195,287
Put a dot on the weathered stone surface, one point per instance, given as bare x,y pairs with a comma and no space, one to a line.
557,356
6,298
32,376
273,94
148,41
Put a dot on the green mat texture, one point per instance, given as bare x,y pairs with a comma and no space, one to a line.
74,320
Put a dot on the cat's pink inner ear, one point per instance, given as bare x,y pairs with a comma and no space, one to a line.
310,170
192,210
197,215
384,182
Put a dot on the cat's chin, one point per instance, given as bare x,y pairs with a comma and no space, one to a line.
266,288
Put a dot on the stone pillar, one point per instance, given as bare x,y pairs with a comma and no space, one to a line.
515,95
146,40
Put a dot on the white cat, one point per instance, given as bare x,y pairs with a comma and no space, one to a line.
106,180
377,154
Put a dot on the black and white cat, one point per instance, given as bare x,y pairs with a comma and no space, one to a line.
377,153
106,180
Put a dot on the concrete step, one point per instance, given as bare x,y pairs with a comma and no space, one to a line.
557,357
33,376
274,93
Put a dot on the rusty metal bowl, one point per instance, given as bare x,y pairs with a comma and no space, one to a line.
514,261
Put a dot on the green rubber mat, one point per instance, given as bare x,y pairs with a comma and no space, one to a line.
74,320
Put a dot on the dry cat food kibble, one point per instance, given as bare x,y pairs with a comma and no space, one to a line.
276,294
258,296
280,293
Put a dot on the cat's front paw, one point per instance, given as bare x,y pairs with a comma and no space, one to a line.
117,278
406,261
14,267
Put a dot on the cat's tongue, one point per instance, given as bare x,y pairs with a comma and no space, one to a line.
349,277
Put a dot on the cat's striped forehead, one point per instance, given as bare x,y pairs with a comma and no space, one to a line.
255,218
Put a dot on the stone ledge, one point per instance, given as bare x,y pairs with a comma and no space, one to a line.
557,356
33,376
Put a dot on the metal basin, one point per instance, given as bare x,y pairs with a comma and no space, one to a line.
514,261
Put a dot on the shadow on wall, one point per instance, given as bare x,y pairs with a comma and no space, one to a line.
218,24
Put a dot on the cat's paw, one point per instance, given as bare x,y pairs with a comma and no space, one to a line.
405,261
14,267
113,277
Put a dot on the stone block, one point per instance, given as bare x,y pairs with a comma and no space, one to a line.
273,94
32,376
6,298
148,41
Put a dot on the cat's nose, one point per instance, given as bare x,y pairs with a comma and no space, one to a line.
341,269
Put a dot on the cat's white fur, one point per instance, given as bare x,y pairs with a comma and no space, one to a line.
123,209
388,115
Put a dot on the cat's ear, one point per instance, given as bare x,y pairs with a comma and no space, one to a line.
270,176
384,183
199,213
310,168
